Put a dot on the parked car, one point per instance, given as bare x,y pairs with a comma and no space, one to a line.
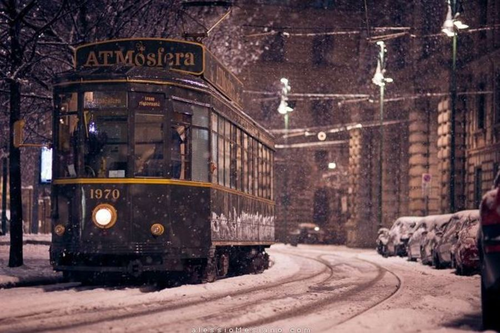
382,239
399,235
489,255
448,237
465,254
417,235
431,237
307,233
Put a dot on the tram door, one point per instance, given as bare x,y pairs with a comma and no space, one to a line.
149,200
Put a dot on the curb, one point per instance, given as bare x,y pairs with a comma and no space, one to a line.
35,281
28,241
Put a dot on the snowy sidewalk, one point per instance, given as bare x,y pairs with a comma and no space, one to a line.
36,269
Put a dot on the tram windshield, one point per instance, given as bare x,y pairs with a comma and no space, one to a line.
105,144
106,134
105,137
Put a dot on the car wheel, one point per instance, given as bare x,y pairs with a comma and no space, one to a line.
435,261
385,251
410,255
422,256
490,302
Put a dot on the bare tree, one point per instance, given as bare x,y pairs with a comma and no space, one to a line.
23,26
39,40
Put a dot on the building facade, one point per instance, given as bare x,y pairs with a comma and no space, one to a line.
371,165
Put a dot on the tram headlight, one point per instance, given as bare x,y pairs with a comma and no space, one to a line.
59,230
157,229
104,216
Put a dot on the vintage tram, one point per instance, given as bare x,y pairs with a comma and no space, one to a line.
156,167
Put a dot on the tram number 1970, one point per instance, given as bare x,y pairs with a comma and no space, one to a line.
97,193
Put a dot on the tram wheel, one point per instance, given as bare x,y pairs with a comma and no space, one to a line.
209,271
222,265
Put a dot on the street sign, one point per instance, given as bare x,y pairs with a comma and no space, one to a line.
426,184
426,178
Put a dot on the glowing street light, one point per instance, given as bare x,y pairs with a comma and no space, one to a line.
451,26
380,80
285,109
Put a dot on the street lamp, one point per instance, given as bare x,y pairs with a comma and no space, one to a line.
451,27
380,80
284,109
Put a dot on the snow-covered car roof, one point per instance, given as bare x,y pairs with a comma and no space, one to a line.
405,220
473,214
437,221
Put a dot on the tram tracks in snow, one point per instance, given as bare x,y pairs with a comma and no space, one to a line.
341,293
320,280
94,315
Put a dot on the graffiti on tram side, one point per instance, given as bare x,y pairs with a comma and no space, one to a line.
242,227
176,55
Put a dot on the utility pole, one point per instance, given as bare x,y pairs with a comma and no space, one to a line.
4,192
451,26
380,80
284,109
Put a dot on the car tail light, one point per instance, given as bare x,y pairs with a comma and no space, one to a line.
490,208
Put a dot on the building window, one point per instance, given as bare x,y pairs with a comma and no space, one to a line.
481,106
274,51
321,159
323,4
322,50
321,112
274,2
495,169
478,193
321,210
483,17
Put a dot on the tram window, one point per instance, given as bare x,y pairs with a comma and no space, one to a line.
180,166
255,167
227,153
68,103
239,175
245,163
200,156
232,159
106,143
271,160
148,145
250,166
199,113
214,148
220,152
262,171
67,143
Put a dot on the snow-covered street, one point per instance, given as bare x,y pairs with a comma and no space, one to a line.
308,289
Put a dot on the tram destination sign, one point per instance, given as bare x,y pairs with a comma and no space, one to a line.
182,56
176,55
